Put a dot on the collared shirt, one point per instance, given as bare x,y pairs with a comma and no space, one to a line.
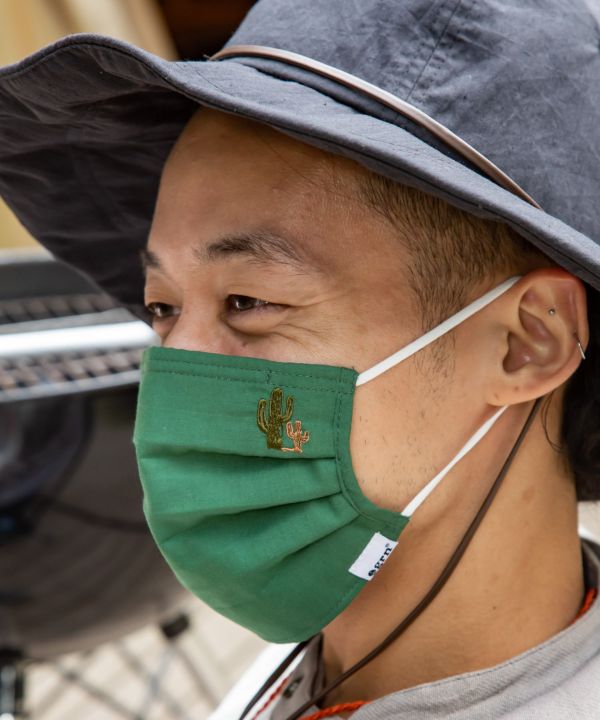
556,680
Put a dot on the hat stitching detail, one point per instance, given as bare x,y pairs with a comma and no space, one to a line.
430,74
433,50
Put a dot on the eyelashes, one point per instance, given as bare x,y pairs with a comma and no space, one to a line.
244,303
234,304
161,311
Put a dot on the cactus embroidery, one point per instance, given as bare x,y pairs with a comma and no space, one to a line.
272,425
299,437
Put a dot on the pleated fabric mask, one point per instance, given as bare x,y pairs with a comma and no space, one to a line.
249,490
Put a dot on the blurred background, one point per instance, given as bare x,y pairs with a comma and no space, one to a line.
93,626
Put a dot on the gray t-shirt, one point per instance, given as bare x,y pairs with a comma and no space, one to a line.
557,680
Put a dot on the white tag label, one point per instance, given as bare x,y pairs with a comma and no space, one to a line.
372,558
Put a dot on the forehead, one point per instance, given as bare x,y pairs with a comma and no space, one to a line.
229,177
225,156
211,134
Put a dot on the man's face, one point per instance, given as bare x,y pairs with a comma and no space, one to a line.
261,248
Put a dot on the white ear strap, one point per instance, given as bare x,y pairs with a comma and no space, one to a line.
470,444
436,333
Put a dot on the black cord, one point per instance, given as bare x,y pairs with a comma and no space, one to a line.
418,609
437,585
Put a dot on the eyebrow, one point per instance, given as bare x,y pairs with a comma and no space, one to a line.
263,246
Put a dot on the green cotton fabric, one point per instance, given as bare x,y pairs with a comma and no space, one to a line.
263,533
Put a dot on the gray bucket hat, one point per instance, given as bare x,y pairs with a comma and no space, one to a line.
86,124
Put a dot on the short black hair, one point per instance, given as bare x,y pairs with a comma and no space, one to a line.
452,251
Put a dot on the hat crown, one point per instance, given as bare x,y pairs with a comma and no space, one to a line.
516,79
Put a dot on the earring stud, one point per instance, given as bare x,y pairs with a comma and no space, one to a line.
552,311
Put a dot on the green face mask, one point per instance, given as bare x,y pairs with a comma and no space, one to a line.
248,484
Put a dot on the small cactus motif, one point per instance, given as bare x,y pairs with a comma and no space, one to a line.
272,425
295,433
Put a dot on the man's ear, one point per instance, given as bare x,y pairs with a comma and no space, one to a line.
545,331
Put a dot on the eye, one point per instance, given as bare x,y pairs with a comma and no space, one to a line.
160,311
243,303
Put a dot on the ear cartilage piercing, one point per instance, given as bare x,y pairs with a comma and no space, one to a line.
578,341
552,311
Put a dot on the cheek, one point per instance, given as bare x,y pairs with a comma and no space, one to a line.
389,442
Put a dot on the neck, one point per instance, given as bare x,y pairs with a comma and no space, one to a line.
519,582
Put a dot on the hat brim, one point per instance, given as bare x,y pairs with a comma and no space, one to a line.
86,125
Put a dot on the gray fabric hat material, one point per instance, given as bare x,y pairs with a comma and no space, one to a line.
86,124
